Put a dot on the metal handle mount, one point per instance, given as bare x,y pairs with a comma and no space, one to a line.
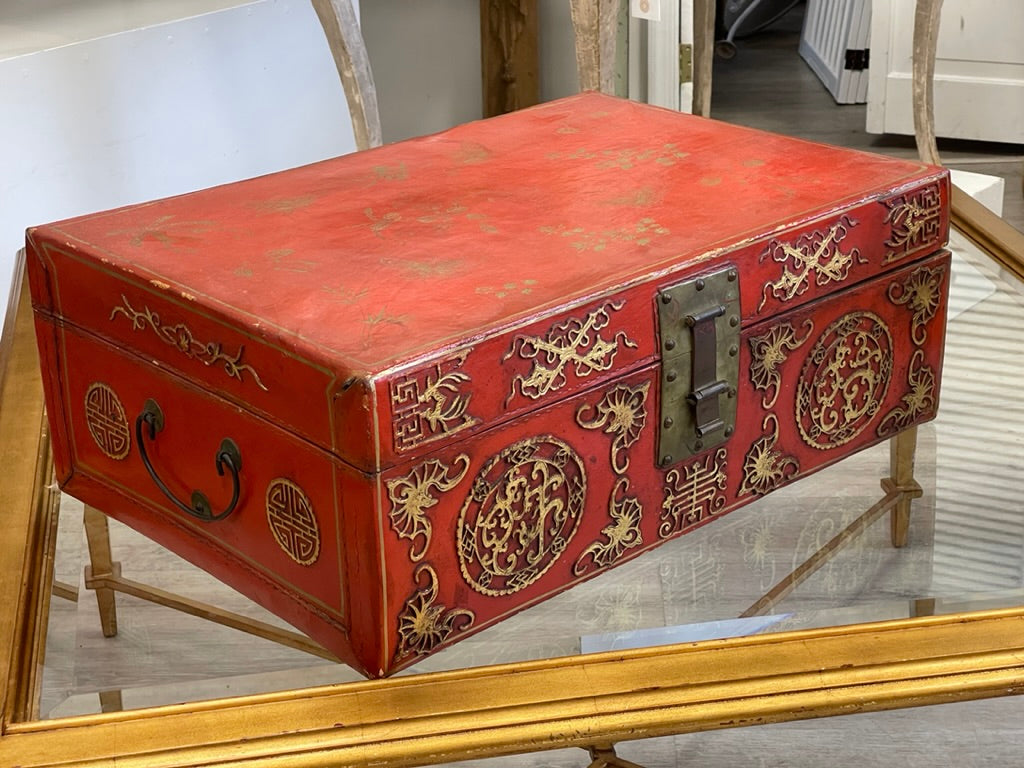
151,421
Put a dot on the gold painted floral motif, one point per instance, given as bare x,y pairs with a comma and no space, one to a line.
693,492
625,159
622,413
917,403
641,233
429,405
106,420
292,521
573,343
524,508
167,231
844,380
411,498
921,293
765,468
623,534
180,337
424,625
814,255
438,217
915,219
768,352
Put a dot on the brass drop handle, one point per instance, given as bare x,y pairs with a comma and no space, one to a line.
228,455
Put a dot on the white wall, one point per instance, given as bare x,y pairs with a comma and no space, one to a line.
159,110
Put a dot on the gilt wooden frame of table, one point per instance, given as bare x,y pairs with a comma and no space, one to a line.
590,701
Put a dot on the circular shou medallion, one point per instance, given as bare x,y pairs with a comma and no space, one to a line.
523,510
844,380
104,415
291,520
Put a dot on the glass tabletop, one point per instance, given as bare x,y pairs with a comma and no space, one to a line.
964,553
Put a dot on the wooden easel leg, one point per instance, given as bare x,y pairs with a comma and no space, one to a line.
101,564
901,467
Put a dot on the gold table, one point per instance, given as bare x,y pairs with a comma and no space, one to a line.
820,653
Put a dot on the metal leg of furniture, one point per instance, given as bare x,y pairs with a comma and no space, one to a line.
604,756
900,489
111,701
101,565
902,449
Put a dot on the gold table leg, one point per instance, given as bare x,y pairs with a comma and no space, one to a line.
901,470
101,565
603,756
900,489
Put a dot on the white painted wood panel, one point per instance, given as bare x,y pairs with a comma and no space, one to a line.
979,70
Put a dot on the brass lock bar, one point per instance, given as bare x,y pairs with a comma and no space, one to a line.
699,324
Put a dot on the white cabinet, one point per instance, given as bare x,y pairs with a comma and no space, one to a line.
979,70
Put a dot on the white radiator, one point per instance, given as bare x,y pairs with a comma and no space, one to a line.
834,43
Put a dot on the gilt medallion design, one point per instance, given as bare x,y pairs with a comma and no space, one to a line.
917,403
914,219
622,414
693,492
765,468
844,380
181,338
430,404
424,624
623,533
768,352
413,496
814,256
106,420
524,508
292,521
574,345
921,293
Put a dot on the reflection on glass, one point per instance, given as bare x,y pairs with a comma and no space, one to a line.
964,553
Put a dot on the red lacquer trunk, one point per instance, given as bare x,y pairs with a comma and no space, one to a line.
422,387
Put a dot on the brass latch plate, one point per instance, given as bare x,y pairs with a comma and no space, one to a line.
699,323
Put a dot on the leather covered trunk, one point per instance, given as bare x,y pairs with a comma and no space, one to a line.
400,395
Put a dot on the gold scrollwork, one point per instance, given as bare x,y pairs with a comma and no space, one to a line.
430,405
106,420
624,532
921,294
621,412
764,468
411,497
769,351
180,337
919,400
914,219
844,380
524,508
814,254
643,232
423,625
292,521
693,493
574,342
